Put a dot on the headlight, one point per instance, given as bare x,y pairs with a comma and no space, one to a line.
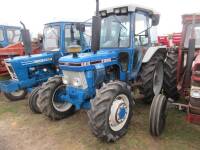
103,13
117,11
195,93
76,79
31,69
45,69
76,82
65,80
124,10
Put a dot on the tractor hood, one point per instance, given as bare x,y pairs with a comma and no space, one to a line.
21,65
89,61
31,60
89,57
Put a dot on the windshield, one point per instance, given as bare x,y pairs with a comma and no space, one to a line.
196,35
74,36
13,35
115,31
51,38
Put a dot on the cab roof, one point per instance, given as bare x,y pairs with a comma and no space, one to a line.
188,18
67,23
132,8
7,26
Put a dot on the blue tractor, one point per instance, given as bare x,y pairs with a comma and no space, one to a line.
9,35
101,82
28,72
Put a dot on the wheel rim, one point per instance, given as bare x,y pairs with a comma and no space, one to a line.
119,112
58,104
18,93
158,78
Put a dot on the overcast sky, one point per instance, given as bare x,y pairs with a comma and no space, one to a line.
35,13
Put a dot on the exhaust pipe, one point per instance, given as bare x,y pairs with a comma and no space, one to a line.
96,30
26,39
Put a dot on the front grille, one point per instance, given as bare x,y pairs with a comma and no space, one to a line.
11,71
88,63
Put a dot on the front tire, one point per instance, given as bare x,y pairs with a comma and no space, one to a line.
49,101
33,101
157,116
15,96
111,111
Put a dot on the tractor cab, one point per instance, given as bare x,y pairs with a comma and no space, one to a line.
58,36
9,35
124,36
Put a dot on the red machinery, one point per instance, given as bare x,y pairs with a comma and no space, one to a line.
16,49
181,75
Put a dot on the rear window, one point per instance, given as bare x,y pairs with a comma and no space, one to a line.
189,34
13,35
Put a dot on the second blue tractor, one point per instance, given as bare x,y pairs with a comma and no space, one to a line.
30,71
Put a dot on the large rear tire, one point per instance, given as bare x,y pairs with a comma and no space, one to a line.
111,111
170,75
157,116
152,77
15,96
33,101
49,102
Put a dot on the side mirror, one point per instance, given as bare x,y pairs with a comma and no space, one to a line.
155,19
26,39
80,27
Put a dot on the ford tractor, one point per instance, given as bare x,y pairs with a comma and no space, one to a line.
28,72
181,76
11,45
101,81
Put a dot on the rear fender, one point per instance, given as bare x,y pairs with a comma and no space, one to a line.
151,51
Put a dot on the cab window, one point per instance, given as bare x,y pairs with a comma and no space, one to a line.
51,38
13,35
72,36
141,30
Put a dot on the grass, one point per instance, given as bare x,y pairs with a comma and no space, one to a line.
4,77
74,133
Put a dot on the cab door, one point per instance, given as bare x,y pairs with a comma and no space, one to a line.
141,40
